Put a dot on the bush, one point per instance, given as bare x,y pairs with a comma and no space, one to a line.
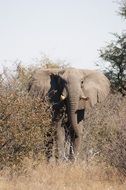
24,122
105,132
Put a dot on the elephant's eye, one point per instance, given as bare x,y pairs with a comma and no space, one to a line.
82,81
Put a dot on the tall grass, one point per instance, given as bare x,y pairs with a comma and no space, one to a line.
64,176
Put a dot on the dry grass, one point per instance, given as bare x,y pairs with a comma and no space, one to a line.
64,176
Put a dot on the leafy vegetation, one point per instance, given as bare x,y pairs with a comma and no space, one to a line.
123,8
115,54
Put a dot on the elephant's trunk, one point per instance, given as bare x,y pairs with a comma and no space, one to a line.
73,106
73,99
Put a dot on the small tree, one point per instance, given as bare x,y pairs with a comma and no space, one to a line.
123,8
115,54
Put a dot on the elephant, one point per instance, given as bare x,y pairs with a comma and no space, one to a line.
74,89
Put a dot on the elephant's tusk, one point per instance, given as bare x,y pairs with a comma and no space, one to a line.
84,98
62,97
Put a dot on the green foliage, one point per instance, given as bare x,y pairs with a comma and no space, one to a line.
115,54
123,8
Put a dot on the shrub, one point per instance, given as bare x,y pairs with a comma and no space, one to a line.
105,132
24,122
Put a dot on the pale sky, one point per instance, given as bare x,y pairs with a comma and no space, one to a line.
70,30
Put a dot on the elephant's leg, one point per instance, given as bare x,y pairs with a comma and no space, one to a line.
72,140
67,139
58,120
49,144
60,140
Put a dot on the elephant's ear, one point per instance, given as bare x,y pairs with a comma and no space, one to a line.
43,83
39,84
96,87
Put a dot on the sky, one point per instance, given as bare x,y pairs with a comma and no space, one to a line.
69,30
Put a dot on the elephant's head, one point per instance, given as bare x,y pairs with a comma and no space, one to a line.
83,88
